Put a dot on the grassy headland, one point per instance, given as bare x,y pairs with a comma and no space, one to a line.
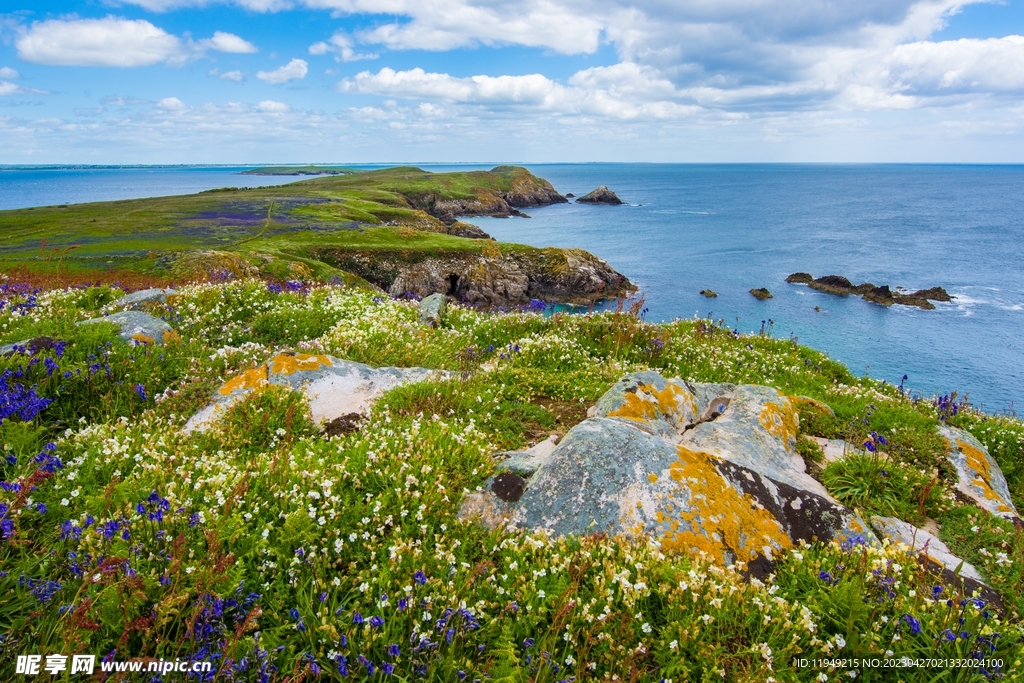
300,170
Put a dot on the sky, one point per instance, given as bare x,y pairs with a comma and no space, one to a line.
533,81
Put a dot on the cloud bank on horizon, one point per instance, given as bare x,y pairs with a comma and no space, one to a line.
538,80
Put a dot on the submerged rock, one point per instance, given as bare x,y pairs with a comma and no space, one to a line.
800,278
432,309
761,293
143,298
601,195
978,475
138,327
335,388
708,468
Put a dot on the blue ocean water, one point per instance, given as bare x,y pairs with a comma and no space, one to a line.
733,227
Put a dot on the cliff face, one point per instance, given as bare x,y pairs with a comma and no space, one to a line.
492,278
501,192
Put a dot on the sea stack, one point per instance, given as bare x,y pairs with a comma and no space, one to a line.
601,195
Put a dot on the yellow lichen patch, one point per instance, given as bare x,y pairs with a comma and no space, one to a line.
653,478
287,364
250,379
720,518
142,338
171,336
646,402
780,421
978,463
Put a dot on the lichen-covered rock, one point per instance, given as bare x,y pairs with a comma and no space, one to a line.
143,298
600,195
706,468
334,387
935,554
432,309
138,327
978,474
525,463
31,347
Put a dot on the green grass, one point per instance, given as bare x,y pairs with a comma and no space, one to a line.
271,528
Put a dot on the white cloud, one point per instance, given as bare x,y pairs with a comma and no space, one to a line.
233,76
111,41
171,104
995,64
228,42
293,70
8,72
8,88
272,107
341,45
530,91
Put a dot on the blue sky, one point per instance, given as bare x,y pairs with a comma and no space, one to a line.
254,81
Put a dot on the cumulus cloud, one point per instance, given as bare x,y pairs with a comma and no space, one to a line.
8,88
171,104
534,90
994,64
111,41
293,70
233,76
228,42
8,72
341,45
272,107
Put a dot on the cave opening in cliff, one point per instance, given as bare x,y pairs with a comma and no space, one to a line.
453,284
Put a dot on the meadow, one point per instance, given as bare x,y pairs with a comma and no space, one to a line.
280,553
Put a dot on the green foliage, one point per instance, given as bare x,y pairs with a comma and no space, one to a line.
993,545
878,486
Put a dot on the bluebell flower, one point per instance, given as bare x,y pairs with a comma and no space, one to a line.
419,577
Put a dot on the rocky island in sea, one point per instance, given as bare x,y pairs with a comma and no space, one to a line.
314,432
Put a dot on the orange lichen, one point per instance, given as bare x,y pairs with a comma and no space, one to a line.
171,336
142,338
250,379
720,518
979,464
646,402
653,478
287,364
781,422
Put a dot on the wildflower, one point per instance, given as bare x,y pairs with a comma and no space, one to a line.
141,391
393,650
376,622
419,577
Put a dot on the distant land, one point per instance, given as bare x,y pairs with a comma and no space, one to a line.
300,170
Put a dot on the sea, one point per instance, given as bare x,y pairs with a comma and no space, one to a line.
730,228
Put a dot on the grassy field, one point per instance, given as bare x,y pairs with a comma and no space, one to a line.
277,553
359,211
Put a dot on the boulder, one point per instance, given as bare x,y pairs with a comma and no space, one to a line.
832,284
696,468
432,309
31,346
933,294
935,555
709,293
879,295
601,195
978,475
800,278
138,327
335,388
143,298
761,293
461,229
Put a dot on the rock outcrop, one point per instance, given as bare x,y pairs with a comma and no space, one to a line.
600,195
432,309
513,188
761,293
935,555
709,293
501,278
706,468
882,295
138,327
335,388
978,475
142,299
